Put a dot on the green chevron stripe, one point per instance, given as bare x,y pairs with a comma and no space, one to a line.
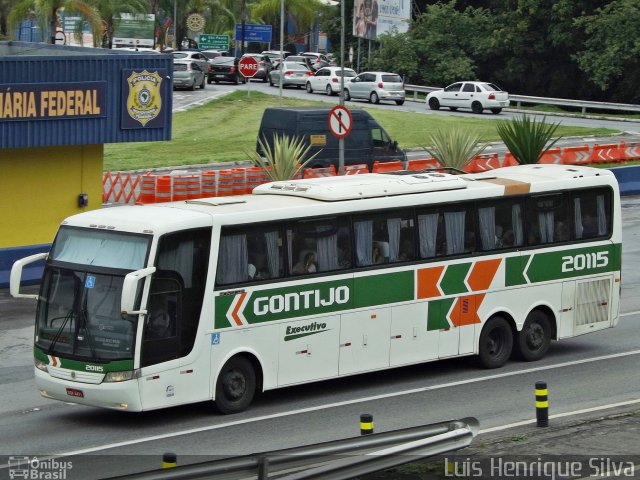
437,315
453,280
383,289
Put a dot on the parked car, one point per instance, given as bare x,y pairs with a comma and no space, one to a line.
294,74
211,54
327,80
474,95
300,59
264,65
318,60
225,69
375,86
274,55
194,56
188,74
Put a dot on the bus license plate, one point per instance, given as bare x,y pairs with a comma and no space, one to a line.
72,392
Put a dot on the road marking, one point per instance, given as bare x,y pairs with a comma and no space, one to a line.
637,312
347,402
561,415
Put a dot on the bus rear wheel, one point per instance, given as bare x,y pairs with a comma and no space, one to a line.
236,386
532,343
496,343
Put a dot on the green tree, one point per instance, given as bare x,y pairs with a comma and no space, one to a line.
46,11
526,138
447,45
611,52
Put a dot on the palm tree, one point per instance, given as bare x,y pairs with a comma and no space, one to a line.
46,11
110,10
305,12
526,138
219,17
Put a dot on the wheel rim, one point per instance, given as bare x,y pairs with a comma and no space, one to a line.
534,336
495,343
234,385
328,89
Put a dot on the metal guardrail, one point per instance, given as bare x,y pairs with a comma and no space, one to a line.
564,102
366,454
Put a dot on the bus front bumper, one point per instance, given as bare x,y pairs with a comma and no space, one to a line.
116,396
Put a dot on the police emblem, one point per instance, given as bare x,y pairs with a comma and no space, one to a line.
144,102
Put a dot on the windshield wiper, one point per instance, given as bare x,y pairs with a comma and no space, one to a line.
87,332
56,337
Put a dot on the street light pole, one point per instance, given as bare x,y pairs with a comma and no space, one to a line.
341,141
175,24
281,52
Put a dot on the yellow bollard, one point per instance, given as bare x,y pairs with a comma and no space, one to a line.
366,424
169,460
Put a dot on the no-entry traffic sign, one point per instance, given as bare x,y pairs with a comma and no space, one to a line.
248,67
340,121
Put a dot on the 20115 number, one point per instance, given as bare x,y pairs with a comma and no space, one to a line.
584,261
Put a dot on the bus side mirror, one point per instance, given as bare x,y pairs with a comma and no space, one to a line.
16,274
130,290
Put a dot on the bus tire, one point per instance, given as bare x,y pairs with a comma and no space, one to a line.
236,385
496,343
533,341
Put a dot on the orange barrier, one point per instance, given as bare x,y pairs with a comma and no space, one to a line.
575,155
356,169
382,167
225,183
329,171
209,183
163,188
631,151
483,162
121,187
553,155
607,153
254,178
182,185
509,160
417,164
239,184
147,189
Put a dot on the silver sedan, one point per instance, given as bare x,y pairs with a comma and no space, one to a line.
294,74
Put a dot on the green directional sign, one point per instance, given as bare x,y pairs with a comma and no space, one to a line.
213,42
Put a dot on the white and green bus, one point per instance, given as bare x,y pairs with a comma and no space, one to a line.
145,307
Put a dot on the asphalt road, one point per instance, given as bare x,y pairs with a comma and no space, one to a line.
584,372
183,99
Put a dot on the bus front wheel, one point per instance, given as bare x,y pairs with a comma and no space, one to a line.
534,340
496,343
236,385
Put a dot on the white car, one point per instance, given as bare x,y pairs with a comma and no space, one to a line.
477,96
375,86
327,80
193,56
295,74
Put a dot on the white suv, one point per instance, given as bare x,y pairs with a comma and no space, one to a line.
327,80
375,86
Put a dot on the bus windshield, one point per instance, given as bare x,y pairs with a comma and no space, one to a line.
79,306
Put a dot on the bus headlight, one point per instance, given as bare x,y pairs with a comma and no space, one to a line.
111,377
40,365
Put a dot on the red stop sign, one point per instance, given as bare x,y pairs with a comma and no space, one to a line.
248,66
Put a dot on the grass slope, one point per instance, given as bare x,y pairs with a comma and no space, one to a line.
226,129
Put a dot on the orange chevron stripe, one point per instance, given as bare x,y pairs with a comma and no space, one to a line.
482,274
465,310
234,312
428,282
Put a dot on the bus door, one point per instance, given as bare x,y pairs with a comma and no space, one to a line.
160,338
364,340
411,340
